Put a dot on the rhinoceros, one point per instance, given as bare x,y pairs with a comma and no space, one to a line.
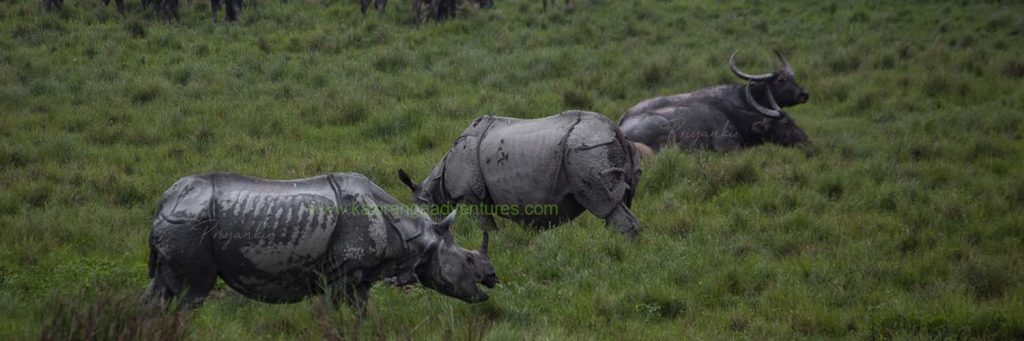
575,161
279,241
723,117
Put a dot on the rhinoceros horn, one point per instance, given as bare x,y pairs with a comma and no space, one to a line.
483,246
744,75
785,63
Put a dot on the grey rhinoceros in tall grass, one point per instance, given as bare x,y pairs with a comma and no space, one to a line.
723,117
570,162
281,241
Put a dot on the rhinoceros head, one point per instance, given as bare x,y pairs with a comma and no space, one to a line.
781,83
453,270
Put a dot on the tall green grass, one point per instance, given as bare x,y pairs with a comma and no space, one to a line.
901,219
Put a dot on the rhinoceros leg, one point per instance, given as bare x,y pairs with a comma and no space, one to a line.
157,293
624,221
184,267
181,243
186,271
598,176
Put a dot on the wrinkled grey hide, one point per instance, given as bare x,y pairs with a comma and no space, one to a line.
578,160
281,241
722,117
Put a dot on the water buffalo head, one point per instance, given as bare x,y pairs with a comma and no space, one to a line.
778,89
779,130
782,83
453,270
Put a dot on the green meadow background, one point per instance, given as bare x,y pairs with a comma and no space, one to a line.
902,219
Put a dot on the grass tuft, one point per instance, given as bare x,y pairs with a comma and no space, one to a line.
110,314
576,99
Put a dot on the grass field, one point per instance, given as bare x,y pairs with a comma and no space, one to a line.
903,218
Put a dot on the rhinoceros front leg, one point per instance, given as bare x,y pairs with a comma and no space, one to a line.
624,221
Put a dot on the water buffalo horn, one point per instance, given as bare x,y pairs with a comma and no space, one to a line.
785,63
758,107
741,74
771,99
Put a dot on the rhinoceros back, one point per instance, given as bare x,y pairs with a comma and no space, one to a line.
521,160
271,237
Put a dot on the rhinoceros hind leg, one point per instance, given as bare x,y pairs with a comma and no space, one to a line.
157,293
624,221
598,178
187,273
197,286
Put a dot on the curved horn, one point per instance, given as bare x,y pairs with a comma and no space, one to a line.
785,63
758,107
483,246
744,75
771,100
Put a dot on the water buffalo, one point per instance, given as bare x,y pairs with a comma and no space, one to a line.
723,117
380,5
120,5
232,9
281,241
439,10
166,8
51,5
573,161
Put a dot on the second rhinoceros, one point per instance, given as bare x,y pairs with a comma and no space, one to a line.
280,241
573,161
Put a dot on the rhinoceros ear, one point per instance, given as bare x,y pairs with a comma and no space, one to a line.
443,227
407,181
